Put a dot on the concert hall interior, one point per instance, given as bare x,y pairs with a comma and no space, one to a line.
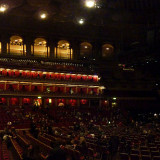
79,80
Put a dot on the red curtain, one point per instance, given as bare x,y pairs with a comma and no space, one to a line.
84,77
25,87
53,76
3,100
24,74
47,76
73,77
68,76
61,100
95,78
14,101
26,101
28,74
67,89
79,77
83,101
72,102
16,73
62,76
4,72
89,77
2,86
52,101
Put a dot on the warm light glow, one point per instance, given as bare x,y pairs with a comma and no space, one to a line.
3,8
114,98
43,16
107,48
90,3
85,47
50,101
39,97
81,21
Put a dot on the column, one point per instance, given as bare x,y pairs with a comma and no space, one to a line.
8,99
20,101
97,50
78,102
18,87
56,102
52,46
28,43
43,103
87,90
30,85
76,49
42,87
4,41
89,103
65,89
76,90
5,86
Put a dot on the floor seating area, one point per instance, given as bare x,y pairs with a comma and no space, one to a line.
82,134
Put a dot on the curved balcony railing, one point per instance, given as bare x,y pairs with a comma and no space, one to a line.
50,94
48,80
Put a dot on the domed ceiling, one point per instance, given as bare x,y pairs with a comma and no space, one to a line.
106,18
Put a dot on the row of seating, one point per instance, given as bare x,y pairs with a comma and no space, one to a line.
18,149
4,153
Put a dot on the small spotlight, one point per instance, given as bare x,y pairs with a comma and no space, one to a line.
90,3
43,16
39,97
85,47
3,8
107,48
81,21
114,98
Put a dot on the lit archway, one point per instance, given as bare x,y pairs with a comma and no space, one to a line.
64,51
107,50
16,46
85,49
40,48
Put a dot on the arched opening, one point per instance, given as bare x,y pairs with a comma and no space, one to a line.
16,46
64,51
107,50
85,49
40,48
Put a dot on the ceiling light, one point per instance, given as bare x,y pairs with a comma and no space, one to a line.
90,3
85,47
43,16
3,8
107,48
81,21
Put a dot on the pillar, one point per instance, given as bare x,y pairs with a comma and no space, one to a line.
78,102
97,50
42,87
4,41
76,49
65,89
30,85
28,42
8,99
56,104
20,101
87,90
5,86
76,90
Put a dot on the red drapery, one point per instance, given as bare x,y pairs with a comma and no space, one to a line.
14,101
26,101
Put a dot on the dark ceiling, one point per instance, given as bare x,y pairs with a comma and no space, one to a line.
110,18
